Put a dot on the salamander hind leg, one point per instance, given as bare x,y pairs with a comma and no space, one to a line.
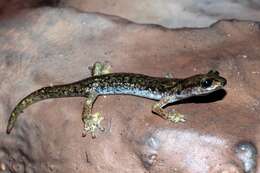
169,76
171,115
100,68
92,122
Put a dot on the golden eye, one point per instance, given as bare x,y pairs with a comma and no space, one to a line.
206,83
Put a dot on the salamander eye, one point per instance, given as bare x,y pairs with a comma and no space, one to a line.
206,83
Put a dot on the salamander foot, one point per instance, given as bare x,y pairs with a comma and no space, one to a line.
92,123
100,68
175,117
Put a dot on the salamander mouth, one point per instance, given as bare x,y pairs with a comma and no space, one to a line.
209,91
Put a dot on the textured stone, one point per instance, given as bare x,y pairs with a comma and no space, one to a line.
168,13
51,46
172,14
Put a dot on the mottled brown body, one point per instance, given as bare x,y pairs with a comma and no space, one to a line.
167,90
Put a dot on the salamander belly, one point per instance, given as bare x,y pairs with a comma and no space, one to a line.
147,93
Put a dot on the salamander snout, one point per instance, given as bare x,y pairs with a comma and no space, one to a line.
222,81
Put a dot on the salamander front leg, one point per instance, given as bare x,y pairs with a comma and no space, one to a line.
172,115
92,122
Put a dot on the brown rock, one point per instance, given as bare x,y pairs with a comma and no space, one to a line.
55,46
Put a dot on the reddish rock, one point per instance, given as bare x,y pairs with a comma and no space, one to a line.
55,46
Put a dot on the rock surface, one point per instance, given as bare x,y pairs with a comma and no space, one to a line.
50,46
168,13
172,14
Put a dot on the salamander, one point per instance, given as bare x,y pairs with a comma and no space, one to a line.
164,89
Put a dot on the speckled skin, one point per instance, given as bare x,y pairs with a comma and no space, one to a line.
167,90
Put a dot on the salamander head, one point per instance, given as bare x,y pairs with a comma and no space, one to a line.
201,84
